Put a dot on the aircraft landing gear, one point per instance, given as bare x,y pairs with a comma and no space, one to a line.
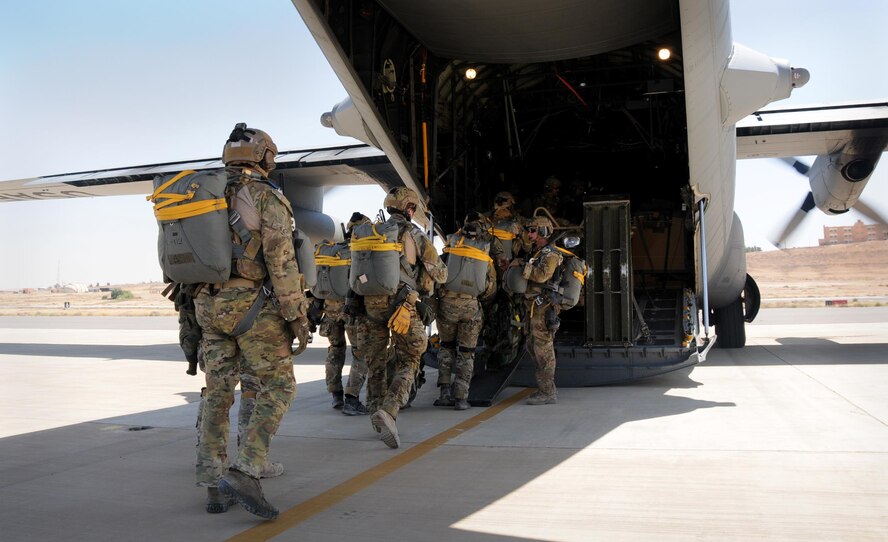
730,322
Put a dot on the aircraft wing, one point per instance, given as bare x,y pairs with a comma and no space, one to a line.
816,130
300,170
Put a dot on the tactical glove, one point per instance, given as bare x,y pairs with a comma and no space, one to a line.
400,320
315,311
299,327
425,313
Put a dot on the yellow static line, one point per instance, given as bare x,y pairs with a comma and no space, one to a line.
301,512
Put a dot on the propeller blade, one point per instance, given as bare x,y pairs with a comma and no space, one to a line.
797,165
869,212
794,221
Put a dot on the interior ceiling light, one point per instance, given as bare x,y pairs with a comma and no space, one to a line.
664,53
471,73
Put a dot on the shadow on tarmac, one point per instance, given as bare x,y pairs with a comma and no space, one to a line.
800,351
102,480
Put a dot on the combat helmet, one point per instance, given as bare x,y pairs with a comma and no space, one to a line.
473,224
400,198
543,225
551,183
249,147
503,200
356,219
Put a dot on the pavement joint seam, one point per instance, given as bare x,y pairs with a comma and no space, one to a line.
835,392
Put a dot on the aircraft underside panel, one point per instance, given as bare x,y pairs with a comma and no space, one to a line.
583,367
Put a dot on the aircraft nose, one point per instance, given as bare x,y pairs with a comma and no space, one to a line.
800,77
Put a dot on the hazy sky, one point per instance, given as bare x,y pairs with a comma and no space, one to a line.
99,84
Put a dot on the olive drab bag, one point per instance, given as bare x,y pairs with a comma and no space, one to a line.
467,263
375,259
305,258
571,278
194,242
332,261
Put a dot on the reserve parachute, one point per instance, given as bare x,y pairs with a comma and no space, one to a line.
332,261
467,263
375,259
194,242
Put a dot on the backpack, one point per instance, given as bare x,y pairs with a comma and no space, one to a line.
194,241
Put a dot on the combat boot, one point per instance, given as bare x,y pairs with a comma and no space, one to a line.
271,469
338,401
444,399
540,398
461,403
217,503
246,490
385,425
354,407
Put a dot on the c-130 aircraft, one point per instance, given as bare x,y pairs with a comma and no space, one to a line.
576,90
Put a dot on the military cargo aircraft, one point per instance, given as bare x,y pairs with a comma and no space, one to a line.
641,107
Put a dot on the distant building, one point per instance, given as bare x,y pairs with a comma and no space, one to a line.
73,288
858,233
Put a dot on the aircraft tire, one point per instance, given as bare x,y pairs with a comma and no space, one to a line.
730,326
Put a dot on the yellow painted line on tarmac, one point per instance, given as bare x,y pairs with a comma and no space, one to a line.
301,512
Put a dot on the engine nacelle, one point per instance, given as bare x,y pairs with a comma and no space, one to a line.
345,119
838,179
752,80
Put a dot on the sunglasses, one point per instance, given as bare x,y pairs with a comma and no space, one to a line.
531,230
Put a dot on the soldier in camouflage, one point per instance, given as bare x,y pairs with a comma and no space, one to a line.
422,266
335,325
507,225
233,345
542,310
189,339
459,324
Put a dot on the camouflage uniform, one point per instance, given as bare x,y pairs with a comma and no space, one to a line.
335,325
262,352
540,342
459,324
409,347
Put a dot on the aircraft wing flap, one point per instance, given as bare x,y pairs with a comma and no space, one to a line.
809,131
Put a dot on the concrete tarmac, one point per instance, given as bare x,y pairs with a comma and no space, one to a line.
786,439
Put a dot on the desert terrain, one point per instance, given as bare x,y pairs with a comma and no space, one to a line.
798,277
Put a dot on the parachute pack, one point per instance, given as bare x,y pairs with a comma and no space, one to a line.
571,277
375,259
333,261
194,243
467,265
